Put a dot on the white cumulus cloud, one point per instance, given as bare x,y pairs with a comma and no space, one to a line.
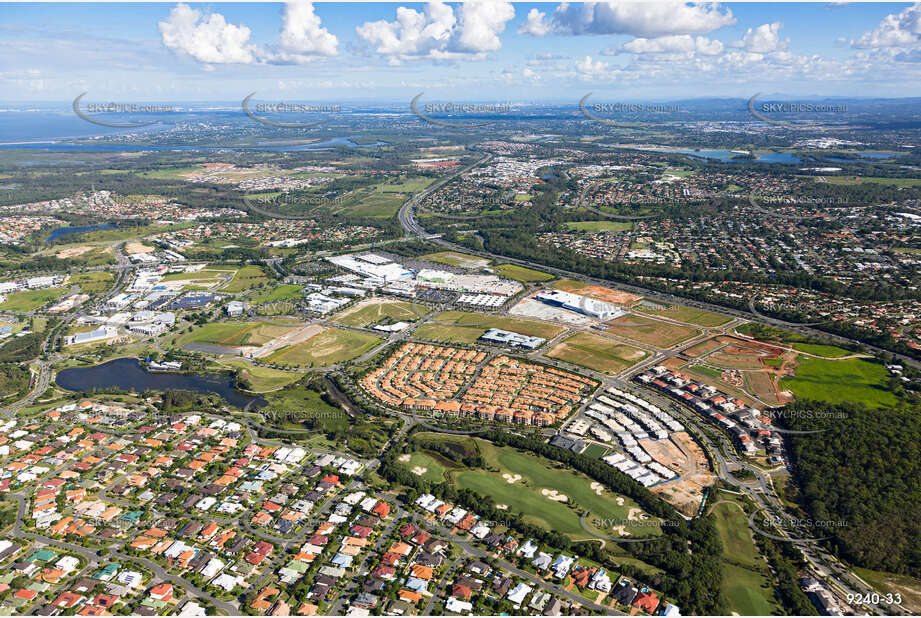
213,40
763,40
646,19
440,31
535,24
677,44
901,30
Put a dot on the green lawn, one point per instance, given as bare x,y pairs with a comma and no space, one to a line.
525,494
746,585
600,226
520,273
327,348
454,258
467,327
282,292
431,466
829,351
383,309
598,353
94,282
855,380
30,300
234,333
246,278
261,379
689,315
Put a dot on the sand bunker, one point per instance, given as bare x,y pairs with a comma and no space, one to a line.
419,470
502,507
598,488
554,495
620,501
404,458
621,531
634,514
511,479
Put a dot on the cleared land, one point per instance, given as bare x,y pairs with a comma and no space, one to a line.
261,379
327,348
624,299
92,283
690,315
246,278
30,300
289,291
650,331
520,273
453,258
204,278
374,310
236,333
600,226
598,353
840,381
465,327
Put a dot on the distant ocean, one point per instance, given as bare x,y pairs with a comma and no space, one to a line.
47,126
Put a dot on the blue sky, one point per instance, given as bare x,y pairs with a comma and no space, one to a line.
484,50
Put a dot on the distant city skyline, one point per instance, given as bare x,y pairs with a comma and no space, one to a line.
481,50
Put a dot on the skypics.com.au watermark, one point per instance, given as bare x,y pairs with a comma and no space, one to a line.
792,524
254,110
776,112
113,107
290,206
453,112
612,113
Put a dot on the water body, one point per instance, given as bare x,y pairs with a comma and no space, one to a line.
64,231
726,156
69,147
129,374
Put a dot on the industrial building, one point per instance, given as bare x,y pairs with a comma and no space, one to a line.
581,304
508,338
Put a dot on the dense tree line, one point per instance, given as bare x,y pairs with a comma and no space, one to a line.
862,474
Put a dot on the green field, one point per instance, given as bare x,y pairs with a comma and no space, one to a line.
202,279
431,466
598,353
246,278
520,273
465,327
453,258
282,292
689,315
746,584
600,226
327,348
94,282
855,381
876,180
650,331
234,333
383,309
525,493
828,351
30,300
261,379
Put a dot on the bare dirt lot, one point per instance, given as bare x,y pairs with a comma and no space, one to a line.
72,252
682,454
624,299
137,247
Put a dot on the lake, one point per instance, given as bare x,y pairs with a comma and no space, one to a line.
64,231
726,156
128,374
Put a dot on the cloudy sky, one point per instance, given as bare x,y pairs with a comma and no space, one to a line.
483,50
